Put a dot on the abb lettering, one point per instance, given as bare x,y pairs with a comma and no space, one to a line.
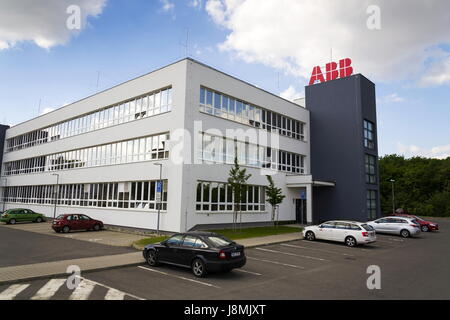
332,72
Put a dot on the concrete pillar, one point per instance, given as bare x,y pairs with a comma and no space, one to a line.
309,203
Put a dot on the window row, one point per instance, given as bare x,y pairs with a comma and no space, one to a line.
133,109
224,106
142,149
216,196
371,204
128,195
370,164
369,134
216,149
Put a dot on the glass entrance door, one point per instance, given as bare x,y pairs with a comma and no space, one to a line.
300,211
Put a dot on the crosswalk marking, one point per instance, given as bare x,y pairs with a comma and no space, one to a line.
114,294
83,291
49,289
12,291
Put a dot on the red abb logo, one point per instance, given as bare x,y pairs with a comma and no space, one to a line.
332,72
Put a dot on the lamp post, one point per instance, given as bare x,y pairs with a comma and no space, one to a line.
393,196
56,193
159,194
4,193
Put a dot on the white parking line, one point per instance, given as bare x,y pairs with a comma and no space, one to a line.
110,288
114,294
83,291
13,291
180,277
322,250
49,289
334,245
276,262
292,254
251,272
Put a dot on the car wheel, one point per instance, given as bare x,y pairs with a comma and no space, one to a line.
425,229
350,241
96,227
39,220
198,268
12,221
151,259
65,229
405,233
310,236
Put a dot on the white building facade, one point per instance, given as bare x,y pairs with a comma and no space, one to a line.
102,155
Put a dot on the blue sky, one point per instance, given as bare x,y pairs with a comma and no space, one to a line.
126,38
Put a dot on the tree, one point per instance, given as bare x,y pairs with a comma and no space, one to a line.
274,196
422,185
237,180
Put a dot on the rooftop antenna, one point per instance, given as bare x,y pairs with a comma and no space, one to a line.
39,107
98,78
186,45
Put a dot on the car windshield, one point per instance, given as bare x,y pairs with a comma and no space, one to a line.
367,227
219,241
60,217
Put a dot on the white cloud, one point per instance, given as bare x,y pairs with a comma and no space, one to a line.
43,24
439,152
291,94
296,35
195,3
392,98
438,74
167,5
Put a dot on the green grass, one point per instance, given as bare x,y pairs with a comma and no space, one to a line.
245,233
255,232
146,241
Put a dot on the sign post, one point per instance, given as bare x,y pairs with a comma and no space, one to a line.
158,196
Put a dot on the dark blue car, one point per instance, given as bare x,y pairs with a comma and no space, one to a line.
203,252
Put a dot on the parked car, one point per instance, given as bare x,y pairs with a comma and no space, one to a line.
202,252
12,216
351,233
425,226
405,227
68,222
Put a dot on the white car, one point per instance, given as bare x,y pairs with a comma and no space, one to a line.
351,233
405,227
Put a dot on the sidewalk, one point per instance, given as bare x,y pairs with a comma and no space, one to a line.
262,241
58,268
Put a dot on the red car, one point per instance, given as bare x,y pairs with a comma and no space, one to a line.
68,222
425,226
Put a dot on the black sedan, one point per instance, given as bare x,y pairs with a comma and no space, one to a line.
201,251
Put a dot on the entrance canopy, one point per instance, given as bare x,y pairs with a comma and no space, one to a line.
307,182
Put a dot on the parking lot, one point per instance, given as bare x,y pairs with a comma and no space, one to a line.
415,268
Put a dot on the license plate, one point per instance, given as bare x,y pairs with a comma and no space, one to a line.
235,254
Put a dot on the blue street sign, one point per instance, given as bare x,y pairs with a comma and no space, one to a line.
158,186
302,195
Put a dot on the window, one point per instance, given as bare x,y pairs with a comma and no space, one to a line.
218,197
372,204
176,240
136,195
224,106
136,108
369,134
138,150
370,164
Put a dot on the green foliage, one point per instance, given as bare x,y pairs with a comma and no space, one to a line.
422,185
274,195
237,180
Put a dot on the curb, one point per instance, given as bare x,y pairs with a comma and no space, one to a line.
32,278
